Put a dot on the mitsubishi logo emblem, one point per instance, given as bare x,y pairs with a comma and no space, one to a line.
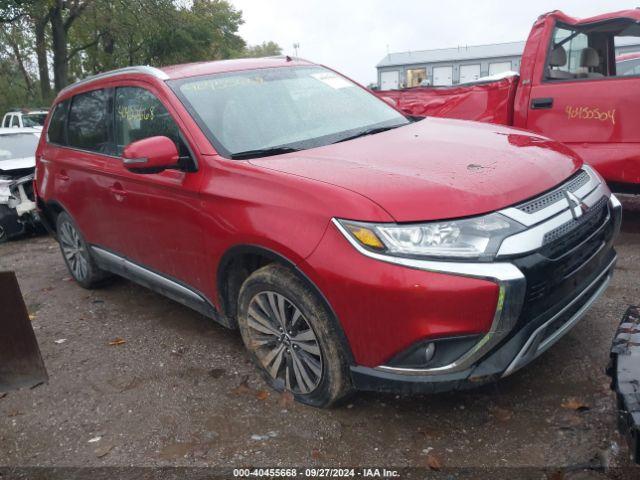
577,208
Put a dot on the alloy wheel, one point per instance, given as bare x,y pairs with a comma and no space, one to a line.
284,342
74,251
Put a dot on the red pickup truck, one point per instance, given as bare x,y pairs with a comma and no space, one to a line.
571,87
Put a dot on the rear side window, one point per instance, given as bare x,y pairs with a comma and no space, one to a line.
15,122
88,126
55,133
138,115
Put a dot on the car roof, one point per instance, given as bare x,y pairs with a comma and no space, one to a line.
224,66
190,70
14,130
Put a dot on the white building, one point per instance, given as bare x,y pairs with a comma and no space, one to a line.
450,66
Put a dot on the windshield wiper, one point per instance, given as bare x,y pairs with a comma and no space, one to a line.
263,152
370,131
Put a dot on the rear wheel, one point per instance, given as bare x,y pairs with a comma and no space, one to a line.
76,254
292,337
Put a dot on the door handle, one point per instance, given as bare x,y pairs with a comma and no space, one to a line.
539,103
62,175
117,191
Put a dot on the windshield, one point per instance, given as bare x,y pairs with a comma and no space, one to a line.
280,108
17,145
33,119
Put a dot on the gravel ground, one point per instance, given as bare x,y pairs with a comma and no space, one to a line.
180,391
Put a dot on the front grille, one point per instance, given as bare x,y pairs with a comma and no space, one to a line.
563,259
564,238
555,272
574,183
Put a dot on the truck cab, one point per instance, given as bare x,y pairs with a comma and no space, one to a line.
24,119
574,89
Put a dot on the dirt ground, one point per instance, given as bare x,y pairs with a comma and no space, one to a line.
180,390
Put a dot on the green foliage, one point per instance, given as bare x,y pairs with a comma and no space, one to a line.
265,49
101,35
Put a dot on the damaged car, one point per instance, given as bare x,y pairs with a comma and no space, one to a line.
17,164
353,246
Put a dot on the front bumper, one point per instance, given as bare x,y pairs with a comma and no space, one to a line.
17,207
520,348
549,278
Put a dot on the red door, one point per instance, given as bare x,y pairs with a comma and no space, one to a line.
73,162
588,107
157,215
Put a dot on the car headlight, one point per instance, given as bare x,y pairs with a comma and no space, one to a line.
477,238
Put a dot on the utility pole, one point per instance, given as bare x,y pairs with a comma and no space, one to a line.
296,46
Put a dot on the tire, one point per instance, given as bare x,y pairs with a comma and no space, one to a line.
305,355
76,254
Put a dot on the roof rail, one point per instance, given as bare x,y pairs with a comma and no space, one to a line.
145,69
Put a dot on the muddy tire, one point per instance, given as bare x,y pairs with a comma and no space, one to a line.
292,337
76,254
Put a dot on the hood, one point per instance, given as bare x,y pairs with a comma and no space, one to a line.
437,168
6,166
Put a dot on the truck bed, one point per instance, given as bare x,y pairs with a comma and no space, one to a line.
490,102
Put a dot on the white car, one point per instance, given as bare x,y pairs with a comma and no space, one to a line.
17,165
25,119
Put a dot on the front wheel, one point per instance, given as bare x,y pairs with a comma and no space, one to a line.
292,337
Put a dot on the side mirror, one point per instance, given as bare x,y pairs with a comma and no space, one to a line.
151,155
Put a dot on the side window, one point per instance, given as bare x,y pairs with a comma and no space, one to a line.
565,58
628,68
55,133
15,121
88,126
139,114
6,120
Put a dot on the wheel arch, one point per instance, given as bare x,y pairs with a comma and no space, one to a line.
240,261
49,211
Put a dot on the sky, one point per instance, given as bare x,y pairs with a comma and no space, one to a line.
352,36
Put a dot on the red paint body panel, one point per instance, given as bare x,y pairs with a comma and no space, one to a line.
182,224
436,168
611,145
384,308
490,102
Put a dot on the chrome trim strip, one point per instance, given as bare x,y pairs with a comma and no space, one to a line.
108,256
146,274
143,69
514,365
134,161
533,238
616,206
512,287
615,203
530,219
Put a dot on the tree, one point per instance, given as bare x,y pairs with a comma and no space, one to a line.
62,15
68,39
265,49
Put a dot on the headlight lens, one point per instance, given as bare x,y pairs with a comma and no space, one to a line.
471,238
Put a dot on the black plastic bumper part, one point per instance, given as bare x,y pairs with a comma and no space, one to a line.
624,370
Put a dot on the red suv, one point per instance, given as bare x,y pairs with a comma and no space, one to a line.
353,246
